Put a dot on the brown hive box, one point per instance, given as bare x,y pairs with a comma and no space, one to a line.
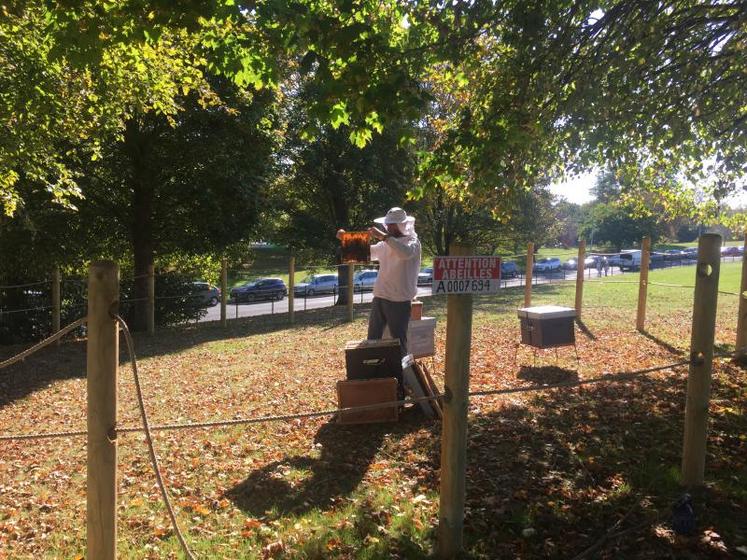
416,311
362,392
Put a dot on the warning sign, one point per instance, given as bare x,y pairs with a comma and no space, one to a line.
466,275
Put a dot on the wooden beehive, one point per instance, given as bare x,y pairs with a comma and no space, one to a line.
363,392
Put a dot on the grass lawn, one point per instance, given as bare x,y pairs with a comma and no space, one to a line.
550,473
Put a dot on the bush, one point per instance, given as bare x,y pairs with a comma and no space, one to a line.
26,313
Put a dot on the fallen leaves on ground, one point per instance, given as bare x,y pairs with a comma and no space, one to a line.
549,473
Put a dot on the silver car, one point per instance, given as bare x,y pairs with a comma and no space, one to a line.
206,294
425,276
317,284
365,280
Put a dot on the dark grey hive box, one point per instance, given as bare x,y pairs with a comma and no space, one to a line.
547,326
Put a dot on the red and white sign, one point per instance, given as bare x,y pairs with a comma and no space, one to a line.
466,275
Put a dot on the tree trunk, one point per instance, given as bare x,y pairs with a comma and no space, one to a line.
137,147
342,285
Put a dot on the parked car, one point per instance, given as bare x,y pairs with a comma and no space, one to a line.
509,269
730,251
264,288
206,294
631,260
364,280
425,276
317,284
548,264
674,255
614,260
571,264
591,261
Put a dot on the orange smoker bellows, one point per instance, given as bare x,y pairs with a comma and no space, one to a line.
356,247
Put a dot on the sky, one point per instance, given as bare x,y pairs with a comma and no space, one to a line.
577,190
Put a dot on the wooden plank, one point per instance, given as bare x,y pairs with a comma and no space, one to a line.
741,343
528,275
432,387
417,385
640,321
701,353
580,267
56,301
454,427
223,292
102,361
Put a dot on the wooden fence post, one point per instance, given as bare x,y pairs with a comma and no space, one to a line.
528,275
580,277
640,321
351,291
701,356
454,428
151,316
741,342
223,293
101,366
291,286
56,301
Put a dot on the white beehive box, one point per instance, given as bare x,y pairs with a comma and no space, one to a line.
421,337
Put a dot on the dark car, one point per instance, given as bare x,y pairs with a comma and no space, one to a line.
730,251
264,288
674,255
509,269
570,264
206,294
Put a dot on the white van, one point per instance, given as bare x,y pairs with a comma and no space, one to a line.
631,260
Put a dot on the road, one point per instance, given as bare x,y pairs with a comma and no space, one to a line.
235,311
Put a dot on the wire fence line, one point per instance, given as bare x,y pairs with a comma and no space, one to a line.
26,309
27,285
46,342
612,377
202,301
724,292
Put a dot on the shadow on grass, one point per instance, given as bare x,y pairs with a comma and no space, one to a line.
663,343
547,375
574,462
299,484
68,361
585,329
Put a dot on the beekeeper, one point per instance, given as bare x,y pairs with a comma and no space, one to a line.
397,249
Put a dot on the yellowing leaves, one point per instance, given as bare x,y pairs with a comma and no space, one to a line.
252,523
